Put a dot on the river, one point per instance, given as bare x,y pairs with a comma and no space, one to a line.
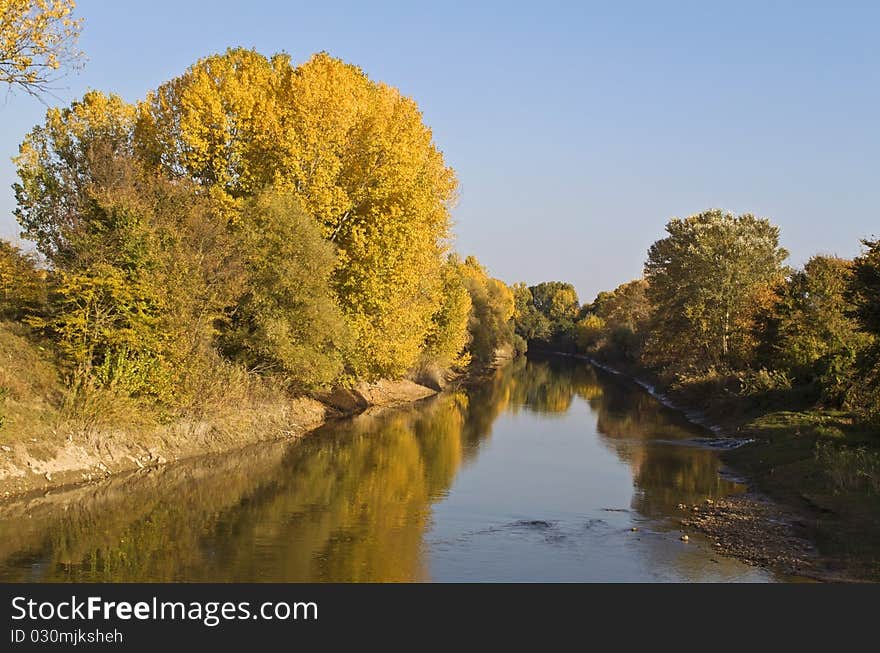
552,470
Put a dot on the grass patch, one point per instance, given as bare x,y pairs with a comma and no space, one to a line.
827,465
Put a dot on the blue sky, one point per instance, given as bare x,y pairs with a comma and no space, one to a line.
577,129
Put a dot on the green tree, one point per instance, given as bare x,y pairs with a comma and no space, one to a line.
154,265
58,163
623,315
105,327
864,394
866,287
558,306
556,300
702,282
287,321
817,336
530,323
627,305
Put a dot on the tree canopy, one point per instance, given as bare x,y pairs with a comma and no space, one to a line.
702,280
356,155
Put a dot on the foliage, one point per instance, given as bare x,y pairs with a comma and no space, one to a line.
702,281
354,152
287,321
37,38
492,310
626,305
616,323
81,198
816,336
447,341
157,270
295,217
105,326
530,323
866,287
545,314
556,300
864,394
22,283
589,332
58,163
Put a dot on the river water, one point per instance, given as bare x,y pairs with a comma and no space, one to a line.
538,474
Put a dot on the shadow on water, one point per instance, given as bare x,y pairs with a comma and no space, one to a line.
355,500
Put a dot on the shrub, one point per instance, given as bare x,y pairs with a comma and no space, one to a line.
105,327
863,395
762,381
288,321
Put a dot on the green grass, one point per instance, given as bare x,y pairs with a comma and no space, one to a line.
825,465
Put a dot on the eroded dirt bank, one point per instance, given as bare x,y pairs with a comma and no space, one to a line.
81,457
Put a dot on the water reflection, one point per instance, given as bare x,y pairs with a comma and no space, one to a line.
367,500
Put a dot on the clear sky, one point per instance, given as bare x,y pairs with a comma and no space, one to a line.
577,129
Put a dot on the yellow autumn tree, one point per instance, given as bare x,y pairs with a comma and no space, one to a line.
37,38
491,319
358,158
446,343
369,172
219,123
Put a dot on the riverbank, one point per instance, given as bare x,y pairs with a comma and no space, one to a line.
802,490
47,443
69,454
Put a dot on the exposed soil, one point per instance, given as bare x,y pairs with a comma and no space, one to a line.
41,464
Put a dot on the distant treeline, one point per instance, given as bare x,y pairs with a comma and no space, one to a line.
248,218
717,307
